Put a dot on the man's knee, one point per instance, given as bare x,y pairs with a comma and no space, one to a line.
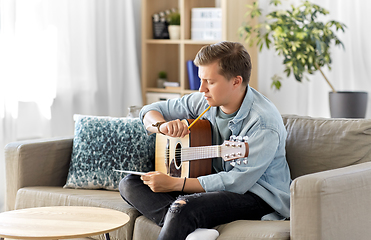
127,184
187,201
178,204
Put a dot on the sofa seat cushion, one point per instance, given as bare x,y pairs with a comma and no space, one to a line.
244,229
237,230
145,229
29,197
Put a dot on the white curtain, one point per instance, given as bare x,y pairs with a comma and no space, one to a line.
351,69
62,57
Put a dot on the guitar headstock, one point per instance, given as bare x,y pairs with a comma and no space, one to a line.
235,148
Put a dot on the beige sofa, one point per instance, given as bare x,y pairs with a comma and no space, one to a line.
330,194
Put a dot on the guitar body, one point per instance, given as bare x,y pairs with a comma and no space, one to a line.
167,155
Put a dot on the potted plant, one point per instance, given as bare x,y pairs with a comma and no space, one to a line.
304,41
174,25
162,78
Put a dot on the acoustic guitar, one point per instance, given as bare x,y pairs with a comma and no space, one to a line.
192,155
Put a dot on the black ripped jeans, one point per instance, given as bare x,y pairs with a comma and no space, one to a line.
179,215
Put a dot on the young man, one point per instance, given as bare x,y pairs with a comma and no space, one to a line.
252,191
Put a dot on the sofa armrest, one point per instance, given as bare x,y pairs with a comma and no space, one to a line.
333,204
36,163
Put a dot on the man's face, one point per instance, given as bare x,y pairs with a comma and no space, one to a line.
216,88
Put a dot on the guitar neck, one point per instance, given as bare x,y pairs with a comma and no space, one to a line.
196,153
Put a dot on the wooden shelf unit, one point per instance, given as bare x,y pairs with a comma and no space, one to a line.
171,55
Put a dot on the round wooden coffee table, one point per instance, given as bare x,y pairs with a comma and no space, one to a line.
60,222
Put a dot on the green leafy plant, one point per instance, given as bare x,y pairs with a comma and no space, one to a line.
174,18
162,74
297,34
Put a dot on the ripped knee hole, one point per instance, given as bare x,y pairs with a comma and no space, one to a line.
177,205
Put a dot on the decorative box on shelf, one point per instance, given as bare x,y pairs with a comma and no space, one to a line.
160,25
157,96
206,24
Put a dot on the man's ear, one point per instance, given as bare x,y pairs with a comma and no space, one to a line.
237,81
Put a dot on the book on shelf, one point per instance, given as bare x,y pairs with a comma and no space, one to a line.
171,84
194,80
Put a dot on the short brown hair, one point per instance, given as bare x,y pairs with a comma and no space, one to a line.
234,60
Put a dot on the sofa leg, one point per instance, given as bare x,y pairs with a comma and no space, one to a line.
107,236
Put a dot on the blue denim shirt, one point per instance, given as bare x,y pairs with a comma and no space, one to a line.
267,173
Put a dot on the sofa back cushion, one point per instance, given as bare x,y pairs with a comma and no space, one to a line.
319,144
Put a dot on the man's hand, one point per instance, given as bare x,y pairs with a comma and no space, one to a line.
175,128
161,182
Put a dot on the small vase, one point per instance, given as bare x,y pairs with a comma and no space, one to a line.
160,82
174,31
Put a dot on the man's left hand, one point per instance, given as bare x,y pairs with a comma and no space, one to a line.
161,182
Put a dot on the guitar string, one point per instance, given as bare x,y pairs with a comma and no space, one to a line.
195,153
198,149
189,153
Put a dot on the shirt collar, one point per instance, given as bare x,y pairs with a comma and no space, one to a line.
245,106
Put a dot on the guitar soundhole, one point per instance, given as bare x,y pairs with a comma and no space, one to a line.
178,157
176,162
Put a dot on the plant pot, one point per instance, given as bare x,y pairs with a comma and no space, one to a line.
174,31
160,82
348,104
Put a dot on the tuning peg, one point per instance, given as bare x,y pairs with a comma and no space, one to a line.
238,162
245,161
233,163
232,138
245,138
239,139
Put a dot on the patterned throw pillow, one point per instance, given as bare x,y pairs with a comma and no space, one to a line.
102,144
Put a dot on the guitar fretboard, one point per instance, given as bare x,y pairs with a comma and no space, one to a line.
196,153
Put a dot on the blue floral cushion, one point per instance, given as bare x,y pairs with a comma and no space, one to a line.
102,144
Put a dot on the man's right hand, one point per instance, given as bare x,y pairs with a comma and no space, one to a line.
175,128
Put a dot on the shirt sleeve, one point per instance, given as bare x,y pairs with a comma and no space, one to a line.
187,107
263,146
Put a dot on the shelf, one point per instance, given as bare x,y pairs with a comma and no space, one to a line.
180,41
171,55
163,41
199,42
189,91
186,41
162,90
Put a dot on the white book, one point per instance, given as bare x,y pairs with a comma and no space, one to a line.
130,172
